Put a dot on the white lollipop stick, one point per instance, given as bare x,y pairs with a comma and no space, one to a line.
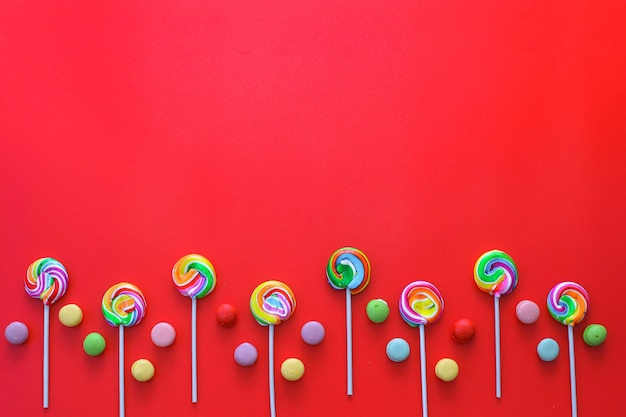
121,370
349,339
572,369
496,304
423,371
46,353
194,352
271,373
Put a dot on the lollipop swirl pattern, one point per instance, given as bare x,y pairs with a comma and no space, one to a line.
348,268
194,276
420,303
123,305
46,279
567,303
272,302
495,273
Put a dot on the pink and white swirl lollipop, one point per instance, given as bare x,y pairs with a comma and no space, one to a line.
421,304
567,303
46,279
123,305
194,277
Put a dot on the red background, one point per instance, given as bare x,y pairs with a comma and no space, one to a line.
265,135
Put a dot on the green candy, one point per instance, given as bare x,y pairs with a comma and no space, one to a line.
594,334
94,344
377,310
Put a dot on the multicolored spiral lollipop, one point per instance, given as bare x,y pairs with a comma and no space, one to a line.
271,303
495,273
348,269
123,305
567,303
46,279
421,304
194,277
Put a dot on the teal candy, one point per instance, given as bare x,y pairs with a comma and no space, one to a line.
548,349
398,349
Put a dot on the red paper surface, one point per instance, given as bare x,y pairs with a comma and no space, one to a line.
267,134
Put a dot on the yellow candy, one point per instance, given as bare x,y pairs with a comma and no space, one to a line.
447,369
142,370
70,315
292,369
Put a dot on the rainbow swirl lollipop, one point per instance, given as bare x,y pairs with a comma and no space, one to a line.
495,273
123,305
272,302
194,276
348,268
421,304
46,279
567,303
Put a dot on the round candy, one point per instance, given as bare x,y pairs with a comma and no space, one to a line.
123,305
548,349
246,354
292,369
463,330
70,315
94,344
16,333
46,279
377,310
447,369
348,268
313,332
142,370
226,315
272,302
194,276
567,303
527,311
594,334
163,334
398,349
420,303
495,273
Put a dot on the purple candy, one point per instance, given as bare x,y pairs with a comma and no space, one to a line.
313,333
16,333
246,354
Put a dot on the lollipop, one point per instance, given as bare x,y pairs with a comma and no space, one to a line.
123,305
421,304
495,273
46,279
271,303
194,277
348,269
567,303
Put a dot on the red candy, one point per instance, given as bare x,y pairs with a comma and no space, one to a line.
463,330
226,315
